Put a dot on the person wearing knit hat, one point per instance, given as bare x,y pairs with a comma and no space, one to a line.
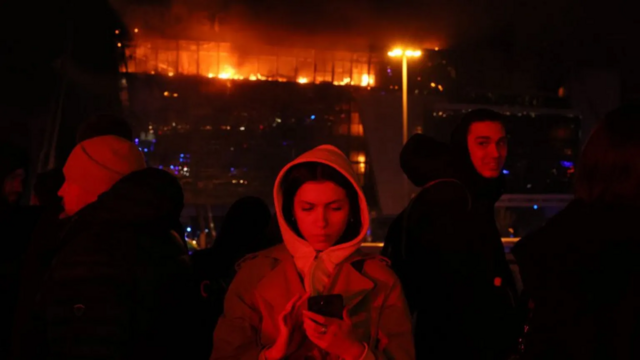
94,166
116,276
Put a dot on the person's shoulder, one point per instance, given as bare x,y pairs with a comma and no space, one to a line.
262,259
251,269
378,268
443,197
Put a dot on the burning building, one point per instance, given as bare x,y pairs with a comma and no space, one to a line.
226,117
224,60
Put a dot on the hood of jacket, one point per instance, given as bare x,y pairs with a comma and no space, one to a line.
424,159
145,197
317,267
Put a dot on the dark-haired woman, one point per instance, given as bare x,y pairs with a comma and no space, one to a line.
323,218
581,269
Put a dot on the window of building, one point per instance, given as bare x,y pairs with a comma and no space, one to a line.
353,127
188,58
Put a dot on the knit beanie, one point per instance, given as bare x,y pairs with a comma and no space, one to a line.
96,164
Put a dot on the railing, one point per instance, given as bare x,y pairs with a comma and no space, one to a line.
506,241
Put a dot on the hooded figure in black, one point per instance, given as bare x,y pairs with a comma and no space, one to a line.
581,269
454,270
243,232
121,283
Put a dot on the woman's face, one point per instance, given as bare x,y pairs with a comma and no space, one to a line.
321,210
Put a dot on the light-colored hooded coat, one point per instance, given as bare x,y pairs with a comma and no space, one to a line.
267,281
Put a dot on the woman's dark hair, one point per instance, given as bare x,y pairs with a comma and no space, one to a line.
609,167
302,173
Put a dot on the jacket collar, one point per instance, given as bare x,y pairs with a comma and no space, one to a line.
284,281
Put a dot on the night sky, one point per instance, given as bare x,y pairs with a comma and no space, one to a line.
588,32
558,35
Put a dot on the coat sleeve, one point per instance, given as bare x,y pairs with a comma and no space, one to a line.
237,333
395,338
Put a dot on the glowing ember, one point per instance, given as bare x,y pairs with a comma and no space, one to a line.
211,75
303,80
253,77
171,74
228,73
135,30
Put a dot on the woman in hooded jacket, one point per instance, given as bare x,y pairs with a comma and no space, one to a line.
323,217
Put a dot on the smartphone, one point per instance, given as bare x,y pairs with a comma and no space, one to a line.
327,305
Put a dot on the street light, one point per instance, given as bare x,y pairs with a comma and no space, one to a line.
405,53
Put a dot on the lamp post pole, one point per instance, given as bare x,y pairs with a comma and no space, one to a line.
404,53
405,111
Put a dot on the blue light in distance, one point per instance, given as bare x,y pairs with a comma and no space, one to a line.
189,229
535,207
313,117
505,171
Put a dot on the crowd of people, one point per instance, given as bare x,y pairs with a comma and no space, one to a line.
97,267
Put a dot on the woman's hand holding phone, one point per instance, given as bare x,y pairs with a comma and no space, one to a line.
333,335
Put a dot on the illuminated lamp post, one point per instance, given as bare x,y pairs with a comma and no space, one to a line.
405,54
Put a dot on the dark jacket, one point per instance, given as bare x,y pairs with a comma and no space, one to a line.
243,232
582,272
458,281
120,283
17,223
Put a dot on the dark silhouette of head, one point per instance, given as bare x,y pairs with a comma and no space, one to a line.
14,163
424,159
609,167
243,231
